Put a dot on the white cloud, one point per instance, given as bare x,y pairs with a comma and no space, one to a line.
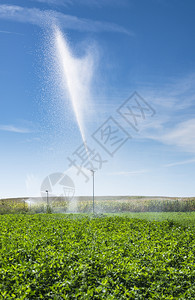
97,3
45,18
20,14
183,135
129,172
10,32
15,129
54,2
179,163
173,102
173,96
174,122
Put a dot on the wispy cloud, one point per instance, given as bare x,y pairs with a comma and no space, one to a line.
182,135
129,172
173,101
97,3
179,163
54,2
15,129
10,32
45,18
174,122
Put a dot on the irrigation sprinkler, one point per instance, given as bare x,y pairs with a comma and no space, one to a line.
93,172
47,201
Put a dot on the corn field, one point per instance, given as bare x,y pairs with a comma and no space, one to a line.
102,205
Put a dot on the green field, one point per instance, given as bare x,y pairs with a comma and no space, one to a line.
59,256
183,218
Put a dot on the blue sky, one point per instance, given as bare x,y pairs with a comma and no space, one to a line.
114,48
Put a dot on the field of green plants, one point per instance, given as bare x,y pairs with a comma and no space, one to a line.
181,218
56,256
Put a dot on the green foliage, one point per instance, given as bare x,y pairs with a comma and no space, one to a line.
182,218
54,256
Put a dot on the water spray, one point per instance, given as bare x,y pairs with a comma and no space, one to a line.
76,76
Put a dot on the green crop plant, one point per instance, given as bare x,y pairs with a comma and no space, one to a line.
55,256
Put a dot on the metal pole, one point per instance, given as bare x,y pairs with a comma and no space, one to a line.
93,194
47,201
93,172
